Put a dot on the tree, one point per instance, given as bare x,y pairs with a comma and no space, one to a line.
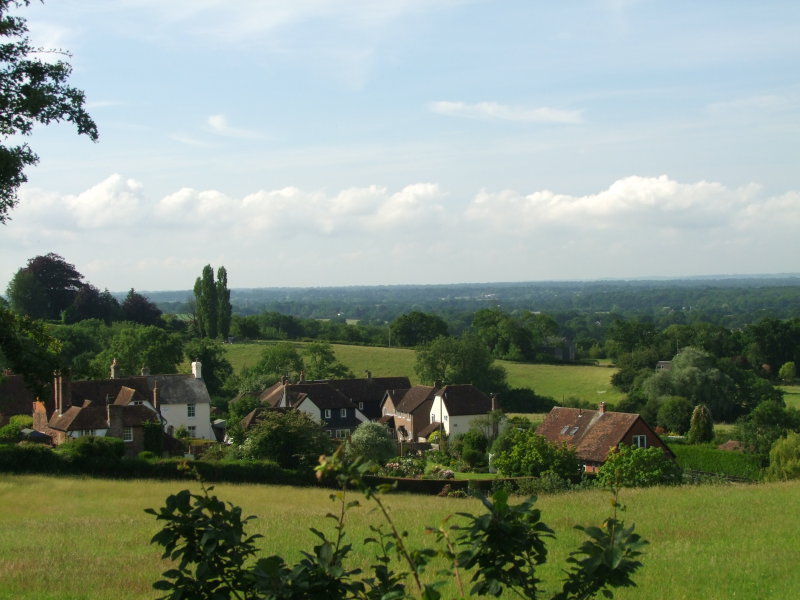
224,308
206,305
788,372
371,441
521,453
701,427
320,362
26,348
292,439
276,361
416,328
90,303
138,309
45,287
769,421
136,346
675,414
32,91
217,370
628,466
784,458
459,360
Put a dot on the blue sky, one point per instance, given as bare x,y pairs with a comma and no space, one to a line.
348,142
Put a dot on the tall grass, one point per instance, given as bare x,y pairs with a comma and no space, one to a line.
71,538
711,460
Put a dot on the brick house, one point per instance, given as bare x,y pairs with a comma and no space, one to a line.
407,412
594,433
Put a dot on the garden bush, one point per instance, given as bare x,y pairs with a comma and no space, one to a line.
628,466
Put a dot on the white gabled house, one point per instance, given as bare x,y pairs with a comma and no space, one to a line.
456,406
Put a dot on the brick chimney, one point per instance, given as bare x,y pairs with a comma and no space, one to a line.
114,369
62,392
145,371
602,408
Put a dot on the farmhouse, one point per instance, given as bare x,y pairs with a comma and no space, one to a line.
594,433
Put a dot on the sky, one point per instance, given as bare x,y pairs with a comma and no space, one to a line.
379,142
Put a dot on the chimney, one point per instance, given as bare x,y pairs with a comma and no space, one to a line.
302,376
437,384
369,375
155,396
494,402
285,379
114,369
197,369
602,408
62,392
145,371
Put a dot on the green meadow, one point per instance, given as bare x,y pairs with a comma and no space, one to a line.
74,538
592,383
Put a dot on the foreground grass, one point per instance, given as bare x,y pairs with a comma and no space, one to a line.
557,381
72,538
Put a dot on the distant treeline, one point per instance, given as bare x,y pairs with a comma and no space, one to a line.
730,302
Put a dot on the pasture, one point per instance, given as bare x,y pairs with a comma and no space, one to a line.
76,538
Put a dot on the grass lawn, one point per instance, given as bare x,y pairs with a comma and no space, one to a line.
791,394
74,538
557,381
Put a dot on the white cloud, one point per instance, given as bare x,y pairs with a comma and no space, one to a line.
219,125
495,111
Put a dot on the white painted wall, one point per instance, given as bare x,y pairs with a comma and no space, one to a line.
176,415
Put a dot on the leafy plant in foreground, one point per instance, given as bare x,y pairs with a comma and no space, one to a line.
499,551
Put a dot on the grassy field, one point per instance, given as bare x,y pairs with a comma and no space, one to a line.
72,538
791,394
557,381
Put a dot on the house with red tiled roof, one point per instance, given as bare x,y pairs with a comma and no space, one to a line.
124,418
595,433
406,412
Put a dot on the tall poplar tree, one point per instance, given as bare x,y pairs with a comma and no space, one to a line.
223,303
205,296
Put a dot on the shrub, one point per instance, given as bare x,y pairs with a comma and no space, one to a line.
712,460
701,428
371,441
90,446
292,439
524,453
784,459
628,466
675,414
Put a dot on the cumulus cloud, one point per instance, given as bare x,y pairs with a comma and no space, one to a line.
495,111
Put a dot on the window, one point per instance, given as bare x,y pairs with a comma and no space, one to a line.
190,410
640,441
445,418
137,403
342,433
192,431
360,406
327,413
127,434
343,412
433,417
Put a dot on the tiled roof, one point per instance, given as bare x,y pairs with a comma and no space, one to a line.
369,391
322,395
414,398
592,433
429,429
465,399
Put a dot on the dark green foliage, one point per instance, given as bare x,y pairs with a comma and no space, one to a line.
138,309
701,427
34,91
319,361
11,432
217,370
45,287
524,400
27,349
90,446
416,328
499,550
292,439
521,453
675,414
206,306
761,428
628,466
457,361
153,438
275,361
135,346
223,304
